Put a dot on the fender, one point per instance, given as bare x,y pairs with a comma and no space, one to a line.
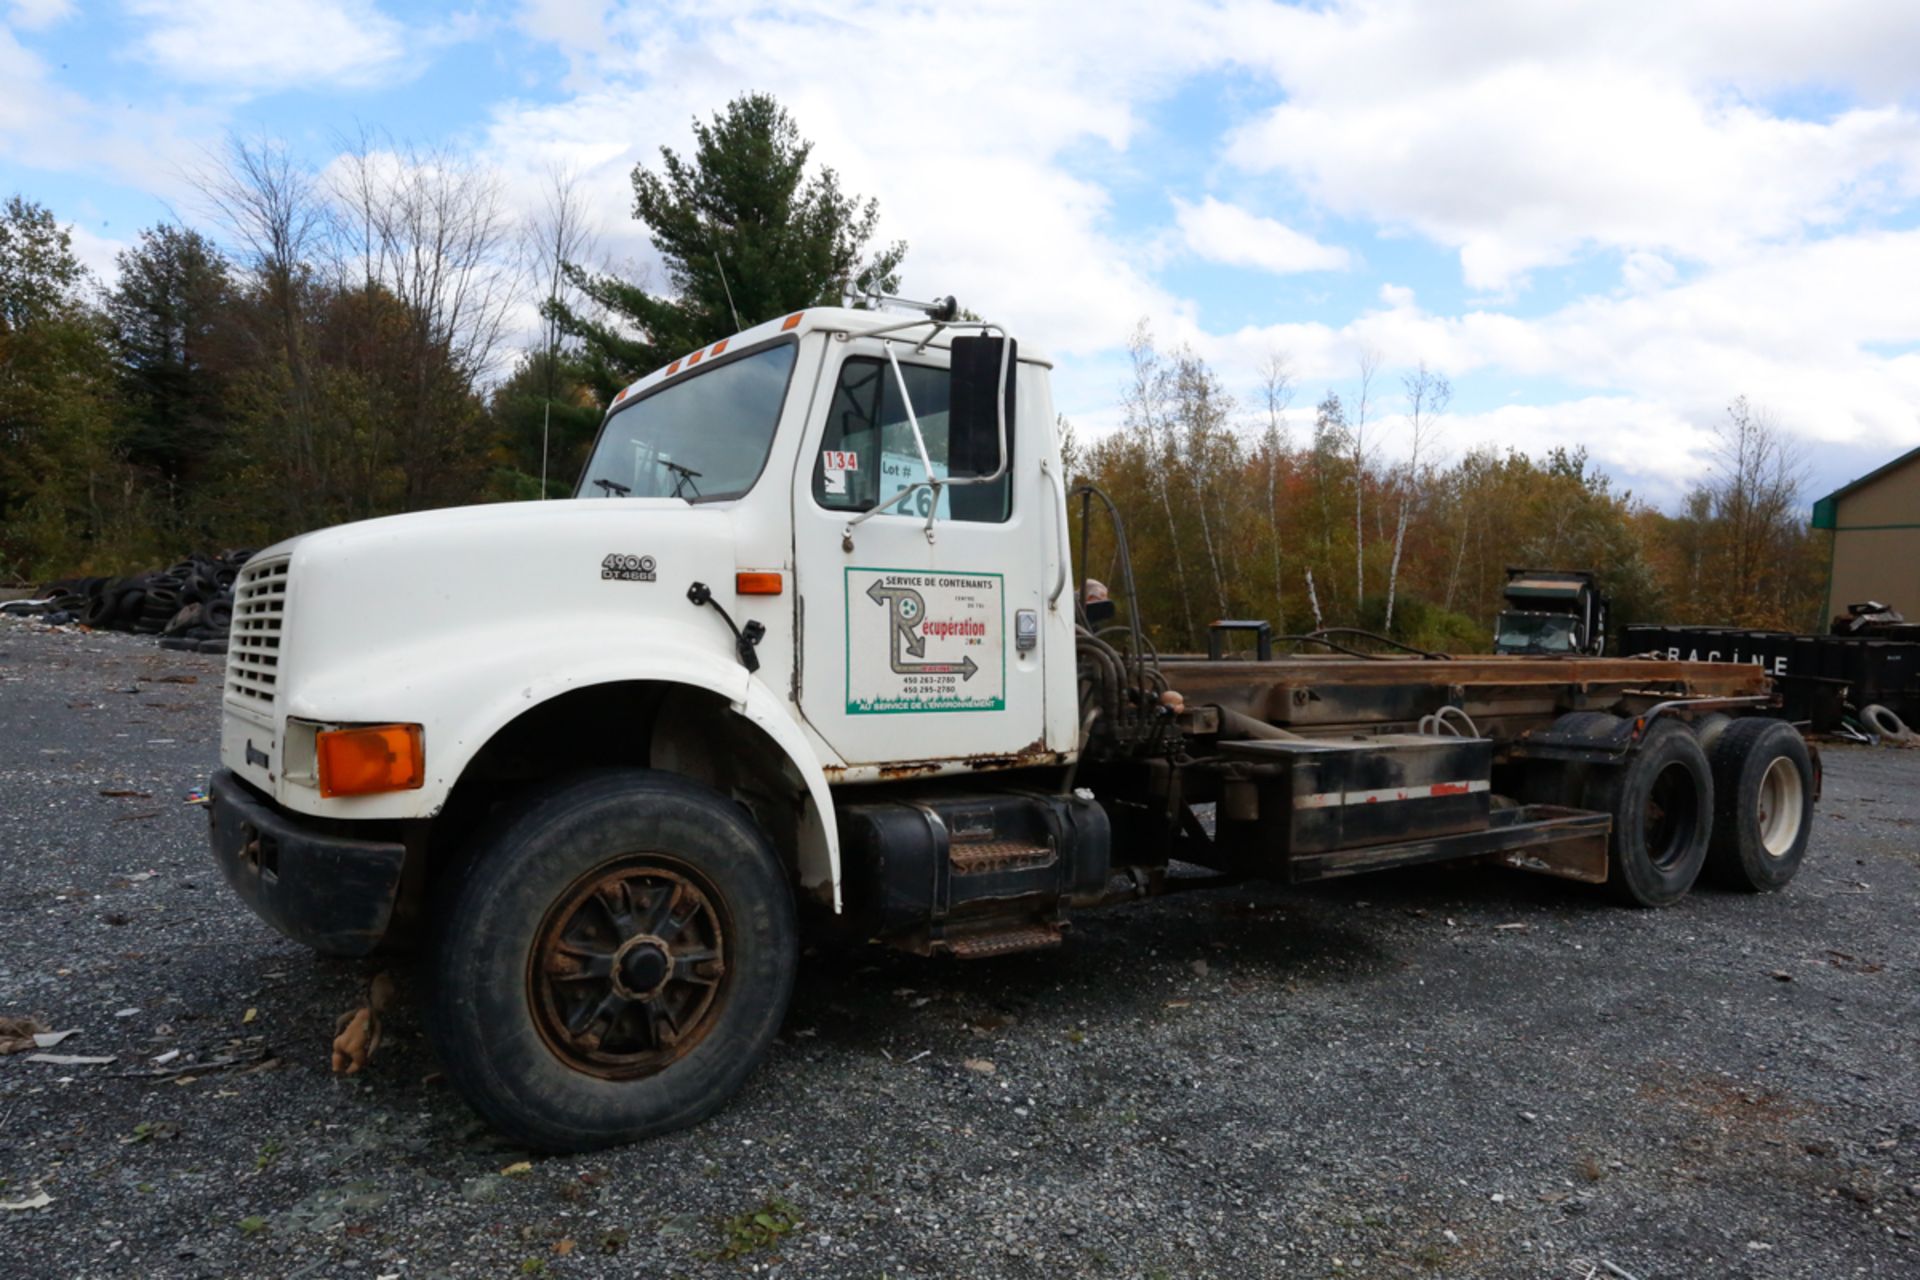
527,666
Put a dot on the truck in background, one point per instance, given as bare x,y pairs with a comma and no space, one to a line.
1551,611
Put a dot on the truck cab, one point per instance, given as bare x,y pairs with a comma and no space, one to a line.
801,649
1551,611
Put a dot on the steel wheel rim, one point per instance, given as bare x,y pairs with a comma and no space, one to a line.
627,967
1781,802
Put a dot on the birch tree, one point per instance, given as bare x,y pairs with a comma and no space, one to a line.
1145,406
1276,385
1428,394
1201,409
1357,436
560,232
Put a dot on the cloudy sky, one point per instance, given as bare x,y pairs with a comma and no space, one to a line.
1601,220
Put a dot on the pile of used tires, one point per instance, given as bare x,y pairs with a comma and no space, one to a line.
189,606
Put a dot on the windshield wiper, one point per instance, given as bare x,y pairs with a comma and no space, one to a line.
686,475
614,488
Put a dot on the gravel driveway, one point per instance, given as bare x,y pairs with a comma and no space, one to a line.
1466,1073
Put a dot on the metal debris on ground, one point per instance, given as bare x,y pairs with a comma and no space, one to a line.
39,1200
251,1053
1584,1270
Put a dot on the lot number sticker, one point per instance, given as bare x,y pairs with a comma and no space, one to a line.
920,641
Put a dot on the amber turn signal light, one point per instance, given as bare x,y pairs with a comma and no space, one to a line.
370,759
756,584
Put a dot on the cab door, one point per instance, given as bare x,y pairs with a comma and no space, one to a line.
915,648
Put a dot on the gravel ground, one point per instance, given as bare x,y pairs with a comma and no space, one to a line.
1428,1074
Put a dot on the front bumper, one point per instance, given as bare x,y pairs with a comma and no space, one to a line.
329,892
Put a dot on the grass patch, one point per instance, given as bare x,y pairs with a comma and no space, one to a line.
757,1229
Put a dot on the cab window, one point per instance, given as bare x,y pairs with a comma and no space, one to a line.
867,454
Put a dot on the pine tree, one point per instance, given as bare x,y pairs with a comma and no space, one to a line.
743,229
170,311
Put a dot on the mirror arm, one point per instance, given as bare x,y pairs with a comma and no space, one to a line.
919,441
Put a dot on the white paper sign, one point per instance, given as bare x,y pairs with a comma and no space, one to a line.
897,471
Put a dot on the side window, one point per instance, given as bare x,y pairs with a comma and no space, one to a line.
867,454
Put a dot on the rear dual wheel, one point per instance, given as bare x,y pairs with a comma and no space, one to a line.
1763,782
1661,800
1742,807
613,963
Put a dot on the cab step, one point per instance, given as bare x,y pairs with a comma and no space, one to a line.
1003,942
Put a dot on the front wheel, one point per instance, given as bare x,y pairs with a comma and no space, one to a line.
613,963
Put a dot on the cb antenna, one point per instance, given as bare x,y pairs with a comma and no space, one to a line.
737,326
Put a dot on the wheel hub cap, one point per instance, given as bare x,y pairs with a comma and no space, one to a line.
643,968
626,968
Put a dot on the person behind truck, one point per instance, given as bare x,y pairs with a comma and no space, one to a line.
1095,604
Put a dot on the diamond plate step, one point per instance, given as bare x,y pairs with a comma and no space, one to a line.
975,857
980,946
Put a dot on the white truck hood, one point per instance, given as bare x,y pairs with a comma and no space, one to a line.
376,612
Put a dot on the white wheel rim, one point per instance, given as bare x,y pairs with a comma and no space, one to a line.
1782,801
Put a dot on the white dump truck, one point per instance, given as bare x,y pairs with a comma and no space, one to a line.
803,650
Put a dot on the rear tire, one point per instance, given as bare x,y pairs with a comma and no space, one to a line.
1763,805
1662,806
613,962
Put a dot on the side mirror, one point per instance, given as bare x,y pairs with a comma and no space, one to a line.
975,395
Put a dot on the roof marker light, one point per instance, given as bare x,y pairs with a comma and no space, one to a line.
718,347
694,359
674,367
792,321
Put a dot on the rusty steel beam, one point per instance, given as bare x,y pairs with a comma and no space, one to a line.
1300,691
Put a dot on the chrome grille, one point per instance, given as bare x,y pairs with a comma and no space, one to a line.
253,645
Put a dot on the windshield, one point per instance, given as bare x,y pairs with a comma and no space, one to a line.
704,436
1545,632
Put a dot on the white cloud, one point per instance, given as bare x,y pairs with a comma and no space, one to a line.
1522,137
96,252
1514,136
46,126
1800,330
574,25
1638,136
1228,234
972,175
244,45
37,15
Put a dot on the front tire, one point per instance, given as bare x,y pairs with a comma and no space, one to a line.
1763,800
1662,806
613,963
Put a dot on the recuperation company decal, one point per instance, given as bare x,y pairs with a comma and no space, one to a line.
921,641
